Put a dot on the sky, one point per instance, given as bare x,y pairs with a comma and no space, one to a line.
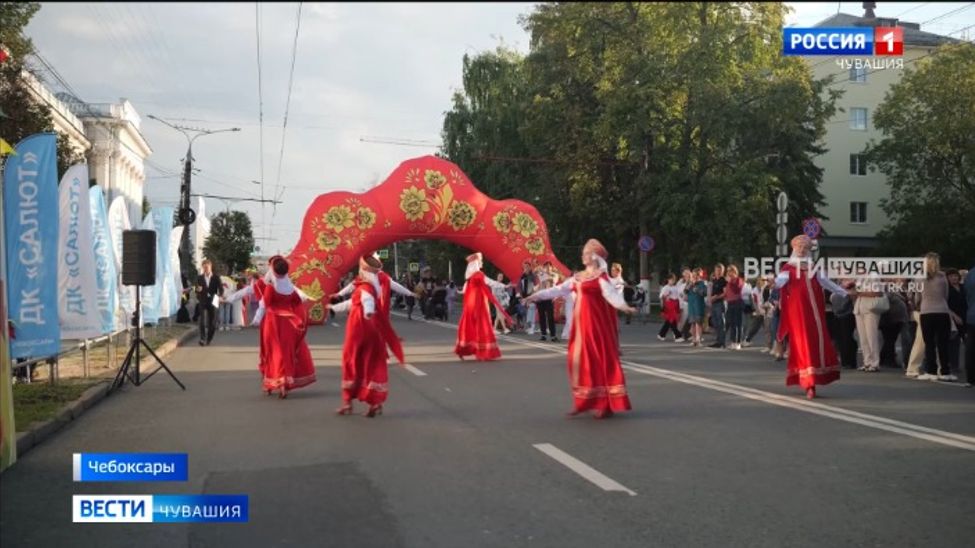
373,71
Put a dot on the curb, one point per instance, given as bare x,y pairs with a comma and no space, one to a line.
38,432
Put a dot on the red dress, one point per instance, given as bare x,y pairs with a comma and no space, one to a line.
475,332
364,373
595,372
812,359
285,357
385,325
259,286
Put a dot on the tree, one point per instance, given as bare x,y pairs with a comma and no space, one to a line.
678,120
928,155
230,242
23,115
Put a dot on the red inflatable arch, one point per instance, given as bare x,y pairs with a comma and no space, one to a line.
424,198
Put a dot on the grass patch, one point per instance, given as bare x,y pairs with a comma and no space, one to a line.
40,401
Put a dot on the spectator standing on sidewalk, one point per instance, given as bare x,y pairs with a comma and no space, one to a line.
716,299
969,289
734,306
935,321
757,317
696,292
670,309
891,325
957,309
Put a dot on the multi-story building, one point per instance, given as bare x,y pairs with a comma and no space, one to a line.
852,190
116,161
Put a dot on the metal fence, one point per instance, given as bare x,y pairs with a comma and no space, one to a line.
85,346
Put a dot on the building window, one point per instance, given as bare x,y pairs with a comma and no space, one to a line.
858,118
858,75
858,165
858,212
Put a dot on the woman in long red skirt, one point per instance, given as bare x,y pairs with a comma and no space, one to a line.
812,359
364,373
595,372
286,361
475,332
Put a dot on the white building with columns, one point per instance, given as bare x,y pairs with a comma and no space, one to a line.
116,160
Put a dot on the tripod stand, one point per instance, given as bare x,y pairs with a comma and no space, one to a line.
138,342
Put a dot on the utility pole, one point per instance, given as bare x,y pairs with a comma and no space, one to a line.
185,215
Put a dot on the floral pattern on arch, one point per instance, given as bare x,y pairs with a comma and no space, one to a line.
423,198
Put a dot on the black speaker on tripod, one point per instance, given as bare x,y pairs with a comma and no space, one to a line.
138,269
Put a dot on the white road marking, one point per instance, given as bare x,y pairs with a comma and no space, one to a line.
942,437
414,370
601,480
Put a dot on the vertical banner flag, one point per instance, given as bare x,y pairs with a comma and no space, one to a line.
199,231
76,263
175,278
106,274
118,222
30,194
150,293
163,221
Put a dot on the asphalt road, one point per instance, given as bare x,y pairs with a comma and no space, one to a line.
717,452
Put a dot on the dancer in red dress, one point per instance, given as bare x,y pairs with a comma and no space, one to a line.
475,332
387,285
595,372
364,373
812,359
286,359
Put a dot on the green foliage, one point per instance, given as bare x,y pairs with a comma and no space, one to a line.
230,242
682,121
928,155
23,115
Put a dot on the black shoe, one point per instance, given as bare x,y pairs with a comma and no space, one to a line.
202,343
716,345
554,339
543,338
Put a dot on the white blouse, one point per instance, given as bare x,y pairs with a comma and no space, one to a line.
612,296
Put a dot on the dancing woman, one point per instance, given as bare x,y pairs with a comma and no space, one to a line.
387,285
475,334
286,362
595,372
364,373
812,360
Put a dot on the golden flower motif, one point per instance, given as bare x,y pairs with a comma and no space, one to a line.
327,241
339,218
460,215
316,313
314,290
502,222
365,218
535,246
413,202
525,225
434,179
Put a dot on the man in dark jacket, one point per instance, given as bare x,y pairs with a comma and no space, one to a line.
208,286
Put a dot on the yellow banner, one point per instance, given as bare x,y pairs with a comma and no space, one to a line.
8,432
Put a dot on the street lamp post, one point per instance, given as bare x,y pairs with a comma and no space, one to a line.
186,216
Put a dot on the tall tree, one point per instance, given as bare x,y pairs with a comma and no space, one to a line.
23,114
928,155
678,120
230,242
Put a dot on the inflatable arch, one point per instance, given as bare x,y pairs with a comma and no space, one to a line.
424,198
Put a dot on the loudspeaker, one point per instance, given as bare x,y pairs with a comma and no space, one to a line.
139,257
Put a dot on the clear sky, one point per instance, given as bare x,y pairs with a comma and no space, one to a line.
361,70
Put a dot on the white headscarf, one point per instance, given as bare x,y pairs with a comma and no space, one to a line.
601,262
473,267
372,278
